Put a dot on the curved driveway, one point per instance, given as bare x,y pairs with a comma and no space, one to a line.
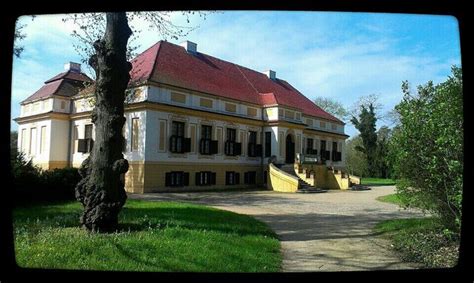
329,231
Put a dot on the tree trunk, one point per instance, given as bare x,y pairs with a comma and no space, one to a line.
101,190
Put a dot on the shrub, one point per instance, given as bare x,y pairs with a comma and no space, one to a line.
60,183
427,148
24,173
433,248
33,184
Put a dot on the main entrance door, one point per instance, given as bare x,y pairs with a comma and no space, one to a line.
290,150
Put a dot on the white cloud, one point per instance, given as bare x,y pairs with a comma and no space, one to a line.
317,53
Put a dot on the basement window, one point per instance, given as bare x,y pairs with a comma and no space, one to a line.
176,179
232,178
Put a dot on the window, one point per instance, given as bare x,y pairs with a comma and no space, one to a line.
204,102
324,152
230,107
43,139
232,148
205,143
322,124
336,156
268,144
289,114
309,122
179,144
88,131
176,179
63,104
334,127
32,141
281,112
205,178
298,116
85,145
252,112
254,149
250,178
177,135
207,146
178,97
232,178
310,147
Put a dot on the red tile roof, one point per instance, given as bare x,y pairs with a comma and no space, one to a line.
45,91
65,84
170,64
71,76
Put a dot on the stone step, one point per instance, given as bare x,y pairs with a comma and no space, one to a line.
310,190
303,186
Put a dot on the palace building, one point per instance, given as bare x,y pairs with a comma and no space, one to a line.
193,122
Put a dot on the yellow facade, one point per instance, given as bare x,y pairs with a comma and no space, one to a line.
321,176
280,181
143,177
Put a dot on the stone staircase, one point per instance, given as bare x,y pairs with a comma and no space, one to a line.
303,187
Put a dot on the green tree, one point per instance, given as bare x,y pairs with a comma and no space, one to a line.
427,148
365,124
356,161
332,106
105,45
13,142
381,157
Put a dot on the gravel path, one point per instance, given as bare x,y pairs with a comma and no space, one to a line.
329,231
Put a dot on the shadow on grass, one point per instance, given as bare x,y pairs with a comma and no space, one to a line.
136,219
138,216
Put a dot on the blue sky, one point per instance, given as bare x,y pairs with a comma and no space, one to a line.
339,55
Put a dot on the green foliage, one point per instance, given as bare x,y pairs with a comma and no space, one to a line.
356,161
427,148
366,126
153,236
422,240
393,198
377,182
333,107
13,143
24,173
382,163
33,184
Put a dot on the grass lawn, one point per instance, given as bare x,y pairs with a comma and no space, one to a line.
421,240
154,236
392,198
377,182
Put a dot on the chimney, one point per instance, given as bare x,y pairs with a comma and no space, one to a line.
190,47
73,67
271,74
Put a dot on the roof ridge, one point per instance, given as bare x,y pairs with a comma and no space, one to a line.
141,53
246,79
57,77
